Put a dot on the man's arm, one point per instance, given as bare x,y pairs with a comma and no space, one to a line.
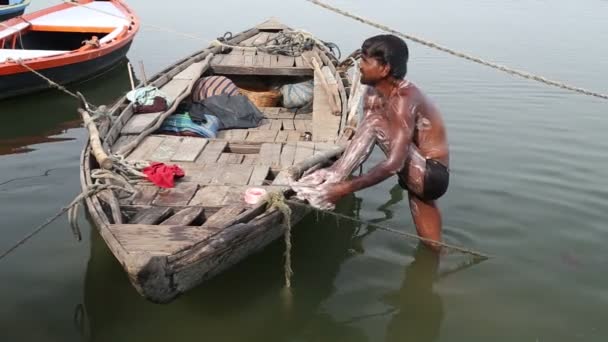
403,129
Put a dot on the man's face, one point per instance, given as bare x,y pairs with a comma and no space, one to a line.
372,70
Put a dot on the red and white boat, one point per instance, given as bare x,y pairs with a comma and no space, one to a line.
66,43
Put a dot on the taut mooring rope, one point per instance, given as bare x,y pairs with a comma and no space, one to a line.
466,56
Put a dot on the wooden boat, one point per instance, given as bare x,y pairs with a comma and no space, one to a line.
170,240
12,8
66,43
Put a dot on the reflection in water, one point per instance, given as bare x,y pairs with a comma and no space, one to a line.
243,303
40,117
419,309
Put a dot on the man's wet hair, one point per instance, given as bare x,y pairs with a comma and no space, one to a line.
388,49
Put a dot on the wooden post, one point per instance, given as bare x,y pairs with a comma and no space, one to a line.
143,73
130,68
102,158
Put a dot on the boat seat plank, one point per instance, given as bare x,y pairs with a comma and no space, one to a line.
262,60
248,60
294,136
139,123
201,174
281,136
189,149
300,125
265,124
261,136
272,24
235,195
181,194
10,30
288,124
325,125
212,152
276,125
155,239
166,150
122,141
288,155
231,158
210,196
175,87
233,174
184,217
261,38
250,159
192,72
259,174
285,61
304,150
270,154
249,41
225,216
146,147
152,215
145,194
232,59
270,110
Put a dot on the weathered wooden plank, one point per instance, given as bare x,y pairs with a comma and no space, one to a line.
201,174
307,125
276,125
274,60
250,159
181,194
184,217
217,59
139,123
146,147
262,60
299,62
288,124
151,215
210,196
249,41
294,136
212,152
271,24
122,141
248,60
288,155
225,216
158,240
281,136
233,134
192,72
270,154
145,194
233,174
324,125
261,136
261,38
285,61
304,150
230,60
235,195
300,125
259,174
300,116
239,69
189,149
175,87
166,150
231,158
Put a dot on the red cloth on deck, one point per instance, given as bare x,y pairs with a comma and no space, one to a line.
163,175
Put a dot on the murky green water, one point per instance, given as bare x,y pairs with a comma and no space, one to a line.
528,186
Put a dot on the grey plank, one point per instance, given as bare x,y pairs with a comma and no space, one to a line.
261,136
281,136
210,196
250,159
276,125
270,154
157,240
139,123
230,158
165,150
175,87
288,124
189,149
212,152
192,72
145,194
288,155
177,196
259,174
184,217
151,215
233,174
285,61
146,147
122,141
304,150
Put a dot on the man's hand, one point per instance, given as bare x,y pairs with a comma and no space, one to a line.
333,192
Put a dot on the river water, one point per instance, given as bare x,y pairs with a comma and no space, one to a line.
527,187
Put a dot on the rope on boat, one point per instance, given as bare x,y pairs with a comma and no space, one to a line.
277,200
508,70
292,43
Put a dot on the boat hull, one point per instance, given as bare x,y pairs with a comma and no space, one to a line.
28,82
8,14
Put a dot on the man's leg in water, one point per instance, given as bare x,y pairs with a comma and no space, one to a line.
427,218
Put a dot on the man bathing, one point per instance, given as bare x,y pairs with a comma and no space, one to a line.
405,125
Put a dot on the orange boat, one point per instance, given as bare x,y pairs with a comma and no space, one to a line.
66,43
